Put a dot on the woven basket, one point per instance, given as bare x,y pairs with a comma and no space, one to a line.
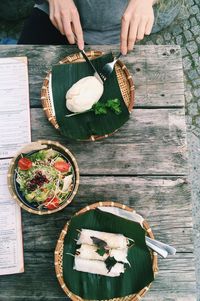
124,79
58,256
36,146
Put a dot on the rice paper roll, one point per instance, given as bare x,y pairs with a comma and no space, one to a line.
113,240
119,255
97,267
90,252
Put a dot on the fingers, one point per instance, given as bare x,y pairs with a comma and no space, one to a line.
66,19
124,34
149,26
68,31
132,34
77,29
55,17
134,31
136,22
58,21
141,29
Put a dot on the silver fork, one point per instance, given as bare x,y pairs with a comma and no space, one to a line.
108,68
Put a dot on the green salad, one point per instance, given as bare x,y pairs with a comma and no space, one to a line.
45,178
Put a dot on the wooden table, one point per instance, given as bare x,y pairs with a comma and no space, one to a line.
145,167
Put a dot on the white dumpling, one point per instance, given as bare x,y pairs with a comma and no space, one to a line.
84,94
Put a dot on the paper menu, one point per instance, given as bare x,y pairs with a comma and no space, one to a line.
11,245
14,133
14,105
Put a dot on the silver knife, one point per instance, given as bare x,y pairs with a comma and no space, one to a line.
96,73
160,245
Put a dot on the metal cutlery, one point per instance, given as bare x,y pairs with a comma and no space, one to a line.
96,73
109,67
156,249
106,70
159,247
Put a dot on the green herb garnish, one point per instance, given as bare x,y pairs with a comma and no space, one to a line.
102,108
101,245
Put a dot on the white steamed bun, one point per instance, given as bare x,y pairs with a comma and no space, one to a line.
84,94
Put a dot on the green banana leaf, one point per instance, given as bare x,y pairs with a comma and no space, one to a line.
97,287
82,126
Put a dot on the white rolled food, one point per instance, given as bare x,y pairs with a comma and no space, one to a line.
90,252
97,267
113,240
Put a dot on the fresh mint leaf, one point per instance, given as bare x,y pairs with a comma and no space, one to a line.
112,104
101,251
99,108
101,245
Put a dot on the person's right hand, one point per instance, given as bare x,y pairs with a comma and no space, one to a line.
65,17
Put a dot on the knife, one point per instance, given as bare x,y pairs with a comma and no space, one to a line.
162,246
96,73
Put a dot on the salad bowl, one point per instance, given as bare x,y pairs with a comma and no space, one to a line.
43,177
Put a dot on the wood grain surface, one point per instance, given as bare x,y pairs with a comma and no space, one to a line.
144,165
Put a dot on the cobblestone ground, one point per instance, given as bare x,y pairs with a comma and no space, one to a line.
184,31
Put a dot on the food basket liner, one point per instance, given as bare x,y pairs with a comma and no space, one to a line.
92,287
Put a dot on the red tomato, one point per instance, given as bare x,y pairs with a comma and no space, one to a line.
24,163
62,166
51,203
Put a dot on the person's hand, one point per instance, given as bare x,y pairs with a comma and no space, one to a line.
65,17
137,21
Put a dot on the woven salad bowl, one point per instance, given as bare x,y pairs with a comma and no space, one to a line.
43,177
124,80
72,281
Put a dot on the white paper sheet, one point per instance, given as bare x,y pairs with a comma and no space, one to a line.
14,133
11,245
14,105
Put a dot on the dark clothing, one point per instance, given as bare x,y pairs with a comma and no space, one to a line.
38,29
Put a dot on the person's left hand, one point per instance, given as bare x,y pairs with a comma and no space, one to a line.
137,21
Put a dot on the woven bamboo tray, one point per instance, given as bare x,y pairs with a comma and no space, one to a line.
58,255
37,146
124,79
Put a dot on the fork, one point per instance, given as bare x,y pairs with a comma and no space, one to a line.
108,68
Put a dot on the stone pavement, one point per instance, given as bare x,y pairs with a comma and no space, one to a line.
184,31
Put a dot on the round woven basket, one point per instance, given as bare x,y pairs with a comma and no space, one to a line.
33,147
124,79
58,255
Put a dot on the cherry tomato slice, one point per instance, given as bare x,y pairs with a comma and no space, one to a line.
51,203
24,163
62,166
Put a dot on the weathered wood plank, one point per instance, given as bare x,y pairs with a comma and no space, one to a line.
152,65
153,141
153,197
175,280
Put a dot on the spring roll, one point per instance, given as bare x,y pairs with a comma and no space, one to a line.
97,267
90,252
114,241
